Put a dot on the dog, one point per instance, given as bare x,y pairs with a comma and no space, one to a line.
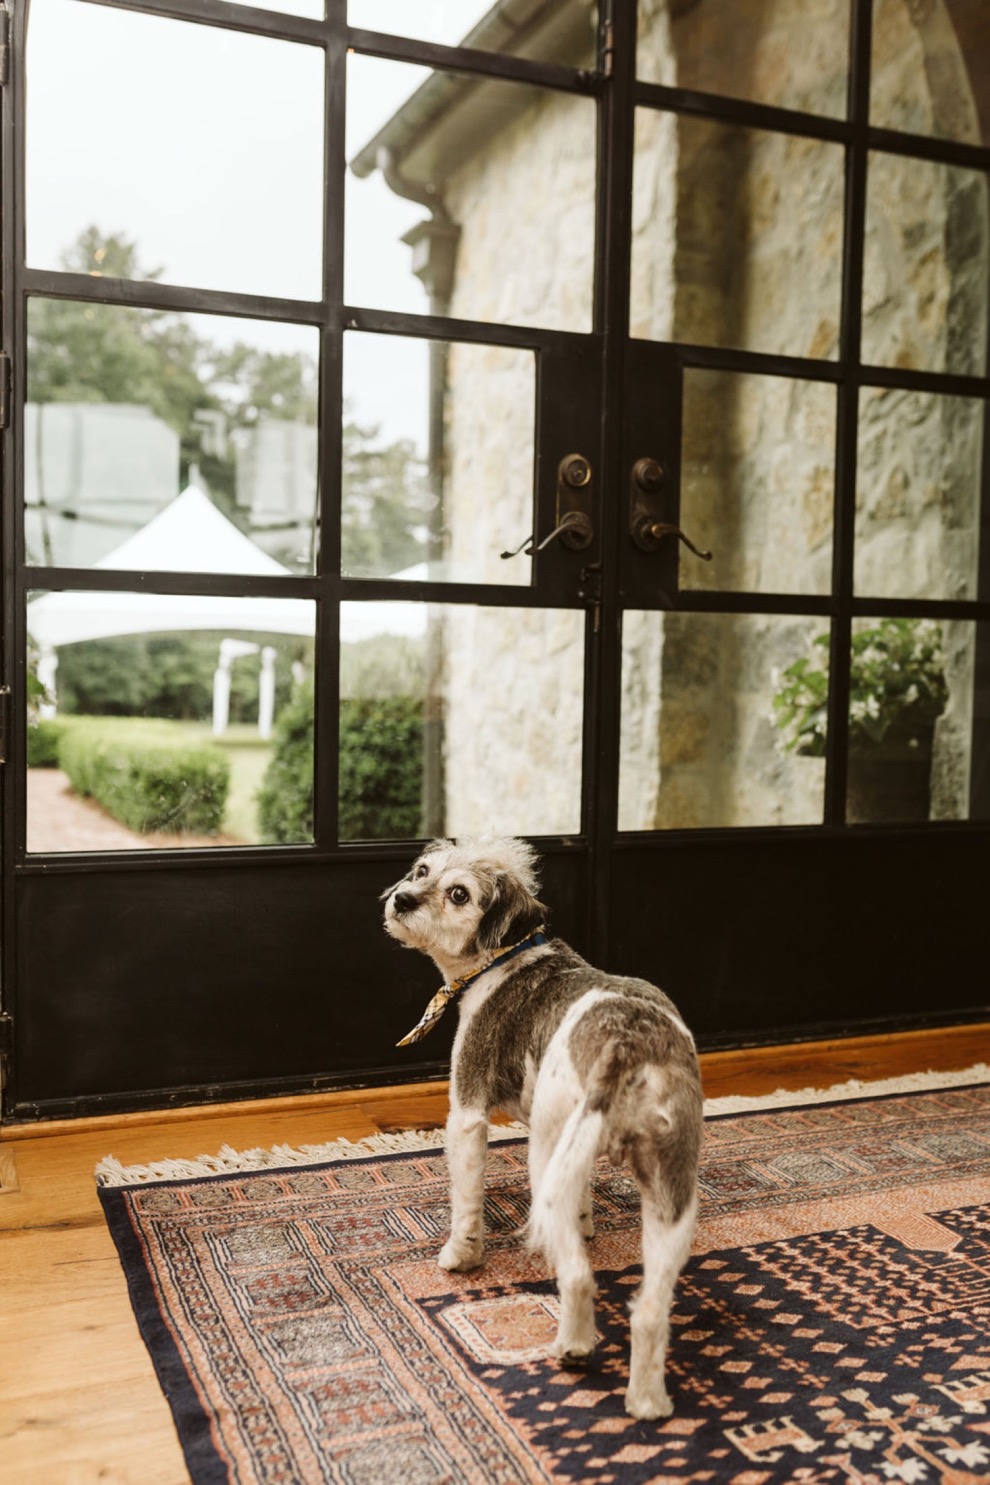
594,1063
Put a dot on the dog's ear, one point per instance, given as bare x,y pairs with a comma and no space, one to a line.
512,914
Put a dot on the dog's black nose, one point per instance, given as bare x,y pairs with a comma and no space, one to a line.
403,902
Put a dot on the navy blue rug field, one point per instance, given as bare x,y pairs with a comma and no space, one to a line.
832,1324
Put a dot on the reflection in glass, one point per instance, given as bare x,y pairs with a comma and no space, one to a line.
438,459
757,480
737,237
925,266
217,185
456,717
159,720
929,69
704,740
918,494
918,740
169,442
792,56
565,34
451,186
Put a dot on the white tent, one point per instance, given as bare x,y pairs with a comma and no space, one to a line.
189,535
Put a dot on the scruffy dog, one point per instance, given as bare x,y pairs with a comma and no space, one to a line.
596,1064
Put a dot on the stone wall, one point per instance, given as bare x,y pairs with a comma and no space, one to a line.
737,241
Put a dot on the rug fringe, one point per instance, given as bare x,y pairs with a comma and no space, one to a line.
227,1161
853,1088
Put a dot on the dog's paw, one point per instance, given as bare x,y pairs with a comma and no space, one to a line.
573,1351
458,1257
587,1222
648,1406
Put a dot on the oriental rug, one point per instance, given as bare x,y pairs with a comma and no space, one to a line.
832,1324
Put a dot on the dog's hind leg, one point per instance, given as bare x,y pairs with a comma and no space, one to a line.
665,1248
467,1147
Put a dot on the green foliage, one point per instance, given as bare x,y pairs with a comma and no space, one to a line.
285,799
385,504
146,780
381,766
383,665
164,675
897,688
43,739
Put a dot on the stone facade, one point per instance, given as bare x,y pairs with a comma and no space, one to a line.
737,241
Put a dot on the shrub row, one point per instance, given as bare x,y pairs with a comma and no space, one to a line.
381,770
147,782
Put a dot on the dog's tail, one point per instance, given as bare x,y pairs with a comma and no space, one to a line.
564,1184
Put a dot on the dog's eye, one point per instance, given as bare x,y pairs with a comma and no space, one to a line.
459,896
422,870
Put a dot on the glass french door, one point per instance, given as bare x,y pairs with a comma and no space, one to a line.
430,423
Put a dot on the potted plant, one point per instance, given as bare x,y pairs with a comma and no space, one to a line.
897,691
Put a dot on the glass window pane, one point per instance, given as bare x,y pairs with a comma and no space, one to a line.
705,740
438,459
564,34
925,266
792,56
156,720
197,150
918,494
919,743
757,481
930,68
737,237
454,717
465,208
169,442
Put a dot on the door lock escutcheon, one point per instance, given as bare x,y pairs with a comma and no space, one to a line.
574,527
647,529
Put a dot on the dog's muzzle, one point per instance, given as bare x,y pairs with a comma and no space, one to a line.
404,902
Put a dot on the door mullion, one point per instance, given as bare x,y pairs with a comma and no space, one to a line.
615,175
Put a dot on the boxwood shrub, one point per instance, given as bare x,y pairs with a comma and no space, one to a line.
147,782
381,770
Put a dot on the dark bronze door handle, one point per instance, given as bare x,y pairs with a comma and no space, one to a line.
646,481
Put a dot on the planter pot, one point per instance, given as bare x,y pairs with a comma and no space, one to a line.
890,782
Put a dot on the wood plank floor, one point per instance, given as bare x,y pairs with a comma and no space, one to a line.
79,1402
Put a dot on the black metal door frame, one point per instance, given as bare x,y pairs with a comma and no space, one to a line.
590,876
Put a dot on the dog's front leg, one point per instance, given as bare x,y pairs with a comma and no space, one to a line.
467,1147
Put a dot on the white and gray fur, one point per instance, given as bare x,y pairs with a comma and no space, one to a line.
595,1063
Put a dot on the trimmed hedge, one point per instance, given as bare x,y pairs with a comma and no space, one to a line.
147,783
381,770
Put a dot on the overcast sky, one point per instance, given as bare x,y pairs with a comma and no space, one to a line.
204,146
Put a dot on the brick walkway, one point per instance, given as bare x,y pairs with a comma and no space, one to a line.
60,820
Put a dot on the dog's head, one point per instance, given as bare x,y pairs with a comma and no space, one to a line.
461,901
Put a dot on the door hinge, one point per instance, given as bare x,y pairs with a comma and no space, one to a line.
4,45
4,723
4,390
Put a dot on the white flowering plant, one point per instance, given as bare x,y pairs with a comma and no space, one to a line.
897,687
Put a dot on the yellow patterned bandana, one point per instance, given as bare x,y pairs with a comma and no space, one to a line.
447,993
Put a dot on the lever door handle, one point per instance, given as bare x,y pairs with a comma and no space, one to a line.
646,481
575,528
648,534
576,523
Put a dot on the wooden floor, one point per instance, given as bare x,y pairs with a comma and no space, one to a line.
79,1402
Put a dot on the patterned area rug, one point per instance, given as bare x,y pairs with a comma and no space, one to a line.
832,1325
